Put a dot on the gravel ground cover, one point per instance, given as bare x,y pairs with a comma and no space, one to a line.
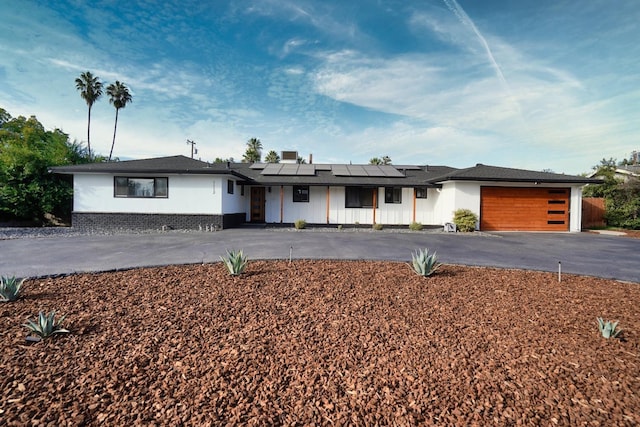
323,343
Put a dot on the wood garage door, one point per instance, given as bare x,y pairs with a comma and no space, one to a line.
524,209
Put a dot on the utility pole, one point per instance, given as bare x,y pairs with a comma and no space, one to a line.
192,143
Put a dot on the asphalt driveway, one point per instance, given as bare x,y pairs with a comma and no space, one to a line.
580,253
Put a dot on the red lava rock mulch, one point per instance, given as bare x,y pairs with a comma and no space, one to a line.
326,343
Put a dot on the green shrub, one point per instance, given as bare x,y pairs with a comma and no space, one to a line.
46,326
10,288
236,262
425,264
465,220
339,227
415,226
300,224
608,329
377,226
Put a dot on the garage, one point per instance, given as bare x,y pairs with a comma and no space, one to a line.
524,209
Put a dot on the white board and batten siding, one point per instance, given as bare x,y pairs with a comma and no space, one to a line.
315,211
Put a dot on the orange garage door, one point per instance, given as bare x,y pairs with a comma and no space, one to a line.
524,209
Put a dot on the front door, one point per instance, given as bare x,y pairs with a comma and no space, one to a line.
257,204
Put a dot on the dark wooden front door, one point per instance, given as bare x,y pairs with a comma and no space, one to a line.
257,204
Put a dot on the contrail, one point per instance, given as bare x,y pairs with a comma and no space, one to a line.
464,18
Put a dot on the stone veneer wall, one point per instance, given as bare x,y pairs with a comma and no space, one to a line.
137,221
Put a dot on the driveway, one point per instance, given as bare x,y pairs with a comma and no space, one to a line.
580,253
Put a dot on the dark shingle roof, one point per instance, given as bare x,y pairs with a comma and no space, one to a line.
482,172
409,176
173,164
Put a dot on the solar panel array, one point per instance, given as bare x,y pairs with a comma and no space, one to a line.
289,169
387,171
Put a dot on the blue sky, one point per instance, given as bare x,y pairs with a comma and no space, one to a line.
528,84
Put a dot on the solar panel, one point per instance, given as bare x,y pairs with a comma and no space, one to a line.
373,170
391,172
271,169
258,165
322,167
340,170
289,169
306,170
356,170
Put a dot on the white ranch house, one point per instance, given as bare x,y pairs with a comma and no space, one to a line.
182,193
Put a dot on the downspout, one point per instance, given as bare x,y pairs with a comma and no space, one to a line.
281,203
328,204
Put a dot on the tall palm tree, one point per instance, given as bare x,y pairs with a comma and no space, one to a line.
119,97
254,151
272,157
90,88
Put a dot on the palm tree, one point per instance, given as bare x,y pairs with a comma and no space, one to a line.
375,161
90,88
119,97
254,151
272,157
386,160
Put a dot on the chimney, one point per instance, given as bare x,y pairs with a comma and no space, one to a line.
310,158
228,165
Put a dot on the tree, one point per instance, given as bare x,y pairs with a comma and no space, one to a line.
385,160
90,88
27,190
119,97
622,198
254,151
272,157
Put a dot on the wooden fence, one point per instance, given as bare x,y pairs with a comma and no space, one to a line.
593,212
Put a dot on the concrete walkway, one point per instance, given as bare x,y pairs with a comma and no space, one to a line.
580,253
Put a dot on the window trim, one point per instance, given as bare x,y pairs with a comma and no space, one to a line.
129,196
393,195
417,191
361,190
296,192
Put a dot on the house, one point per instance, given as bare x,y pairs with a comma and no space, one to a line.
182,193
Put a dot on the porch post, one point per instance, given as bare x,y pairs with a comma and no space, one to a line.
375,201
414,205
281,203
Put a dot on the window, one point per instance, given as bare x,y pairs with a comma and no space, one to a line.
421,192
359,197
230,186
393,195
301,193
141,187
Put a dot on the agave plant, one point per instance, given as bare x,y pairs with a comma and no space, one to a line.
10,288
425,264
236,262
608,329
46,325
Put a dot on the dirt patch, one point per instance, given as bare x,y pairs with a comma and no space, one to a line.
323,342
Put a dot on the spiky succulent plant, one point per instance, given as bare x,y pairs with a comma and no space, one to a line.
46,325
425,264
236,262
10,288
608,329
